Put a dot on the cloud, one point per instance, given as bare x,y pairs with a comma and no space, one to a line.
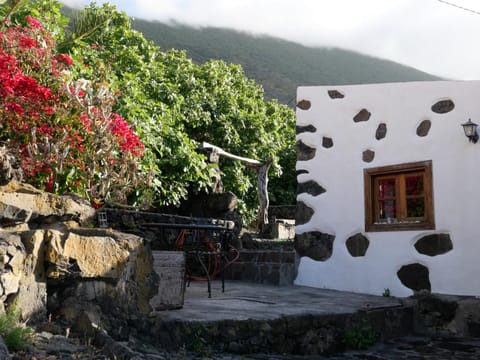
73,3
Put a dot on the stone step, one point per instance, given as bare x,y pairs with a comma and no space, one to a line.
250,318
264,267
267,256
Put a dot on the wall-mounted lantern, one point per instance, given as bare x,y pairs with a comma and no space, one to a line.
470,129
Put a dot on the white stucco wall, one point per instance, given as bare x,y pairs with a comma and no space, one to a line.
339,169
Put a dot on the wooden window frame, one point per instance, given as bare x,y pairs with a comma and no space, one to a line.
398,171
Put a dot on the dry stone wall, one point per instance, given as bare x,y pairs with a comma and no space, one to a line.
54,263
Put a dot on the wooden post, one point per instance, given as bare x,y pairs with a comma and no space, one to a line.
262,192
262,179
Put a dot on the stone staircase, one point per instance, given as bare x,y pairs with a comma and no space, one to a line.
274,266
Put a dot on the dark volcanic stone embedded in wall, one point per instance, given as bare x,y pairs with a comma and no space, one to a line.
327,142
303,213
314,244
335,94
424,128
305,152
381,131
304,104
306,128
310,187
415,276
302,171
363,115
443,106
357,245
435,244
368,155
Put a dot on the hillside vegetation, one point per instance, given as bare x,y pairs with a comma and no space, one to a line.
279,65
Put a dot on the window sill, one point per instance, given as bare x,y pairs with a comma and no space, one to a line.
399,226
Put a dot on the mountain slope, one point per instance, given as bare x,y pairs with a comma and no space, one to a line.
279,65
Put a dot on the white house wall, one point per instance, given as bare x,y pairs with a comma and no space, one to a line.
340,211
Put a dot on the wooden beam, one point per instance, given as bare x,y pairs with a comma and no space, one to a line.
262,179
220,151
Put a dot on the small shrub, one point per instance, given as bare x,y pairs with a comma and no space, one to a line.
361,337
197,343
386,292
16,335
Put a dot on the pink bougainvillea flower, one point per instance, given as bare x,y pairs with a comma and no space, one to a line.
65,59
34,23
27,43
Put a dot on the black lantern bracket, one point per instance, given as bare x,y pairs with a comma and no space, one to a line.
470,129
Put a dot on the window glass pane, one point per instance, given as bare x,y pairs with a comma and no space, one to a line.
386,188
414,185
387,210
415,207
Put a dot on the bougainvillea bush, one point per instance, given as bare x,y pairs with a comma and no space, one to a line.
62,130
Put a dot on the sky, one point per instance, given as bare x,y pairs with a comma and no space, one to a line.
430,35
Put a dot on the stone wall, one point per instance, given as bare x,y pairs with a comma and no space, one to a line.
275,267
159,238
299,334
54,263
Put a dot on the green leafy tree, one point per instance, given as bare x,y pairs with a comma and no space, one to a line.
175,104
134,67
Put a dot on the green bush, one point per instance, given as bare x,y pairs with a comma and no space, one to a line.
360,337
16,335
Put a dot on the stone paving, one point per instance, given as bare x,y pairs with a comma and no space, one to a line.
250,301
242,301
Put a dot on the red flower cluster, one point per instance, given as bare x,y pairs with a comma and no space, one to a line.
23,99
62,144
65,59
34,23
128,140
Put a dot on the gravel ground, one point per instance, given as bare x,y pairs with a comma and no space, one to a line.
48,346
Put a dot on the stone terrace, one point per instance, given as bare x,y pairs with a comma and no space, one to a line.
254,318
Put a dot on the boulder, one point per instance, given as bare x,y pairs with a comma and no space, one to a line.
32,295
24,203
92,256
22,274
9,167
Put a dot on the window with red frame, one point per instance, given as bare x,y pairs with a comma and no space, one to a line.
399,197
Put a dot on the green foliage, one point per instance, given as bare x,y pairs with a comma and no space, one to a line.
196,342
16,335
122,57
176,104
47,11
386,292
360,337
